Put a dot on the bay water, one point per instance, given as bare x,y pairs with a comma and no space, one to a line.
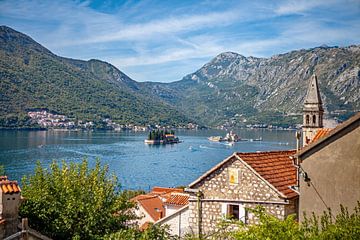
137,165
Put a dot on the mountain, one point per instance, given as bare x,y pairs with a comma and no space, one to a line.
232,88
32,77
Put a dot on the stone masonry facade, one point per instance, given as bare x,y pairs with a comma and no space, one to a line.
250,191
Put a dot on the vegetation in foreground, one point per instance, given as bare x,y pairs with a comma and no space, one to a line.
74,201
325,227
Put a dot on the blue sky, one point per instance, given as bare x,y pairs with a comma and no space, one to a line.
166,40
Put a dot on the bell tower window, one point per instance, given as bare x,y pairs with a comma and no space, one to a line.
307,119
314,119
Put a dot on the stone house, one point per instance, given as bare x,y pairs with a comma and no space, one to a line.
242,181
330,169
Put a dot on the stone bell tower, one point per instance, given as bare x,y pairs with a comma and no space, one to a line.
312,112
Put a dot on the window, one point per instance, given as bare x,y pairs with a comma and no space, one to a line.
307,119
314,119
234,211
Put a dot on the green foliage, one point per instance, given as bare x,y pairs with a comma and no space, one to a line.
269,228
73,201
129,194
153,232
2,170
343,226
324,227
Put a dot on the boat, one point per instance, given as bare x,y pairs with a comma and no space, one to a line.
216,139
232,137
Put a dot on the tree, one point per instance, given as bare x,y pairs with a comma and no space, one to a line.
73,201
2,170
153,232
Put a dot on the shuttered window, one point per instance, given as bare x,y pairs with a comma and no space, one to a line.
234,211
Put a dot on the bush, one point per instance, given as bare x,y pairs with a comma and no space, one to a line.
73,201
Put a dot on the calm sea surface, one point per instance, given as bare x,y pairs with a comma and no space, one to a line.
137,165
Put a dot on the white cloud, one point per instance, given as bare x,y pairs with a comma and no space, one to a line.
298,6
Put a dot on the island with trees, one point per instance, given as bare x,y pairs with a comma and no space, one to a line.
158,137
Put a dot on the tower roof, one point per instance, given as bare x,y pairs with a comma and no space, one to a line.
313,93
313,99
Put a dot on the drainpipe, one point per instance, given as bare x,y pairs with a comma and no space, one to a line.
298,135
199,213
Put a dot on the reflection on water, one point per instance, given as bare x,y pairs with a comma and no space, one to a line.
136,164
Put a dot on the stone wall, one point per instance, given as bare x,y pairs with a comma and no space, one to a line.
249,191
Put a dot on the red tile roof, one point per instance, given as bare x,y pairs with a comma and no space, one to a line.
179,199
323,132
163,190
276,167
152,205
7,186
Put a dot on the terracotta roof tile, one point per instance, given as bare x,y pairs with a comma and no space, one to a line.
9,187
275,167
179,199
163,190
152,205
323,132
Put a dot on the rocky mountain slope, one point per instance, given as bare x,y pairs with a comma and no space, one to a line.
232,87
33,77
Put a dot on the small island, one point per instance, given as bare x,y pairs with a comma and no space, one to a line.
157,137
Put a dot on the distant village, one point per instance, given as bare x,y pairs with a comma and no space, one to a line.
49,120
285,182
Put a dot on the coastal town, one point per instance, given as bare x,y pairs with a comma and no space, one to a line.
49,120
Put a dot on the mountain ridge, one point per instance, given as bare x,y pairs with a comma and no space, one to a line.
32,77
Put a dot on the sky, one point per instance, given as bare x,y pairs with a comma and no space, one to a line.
163,41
